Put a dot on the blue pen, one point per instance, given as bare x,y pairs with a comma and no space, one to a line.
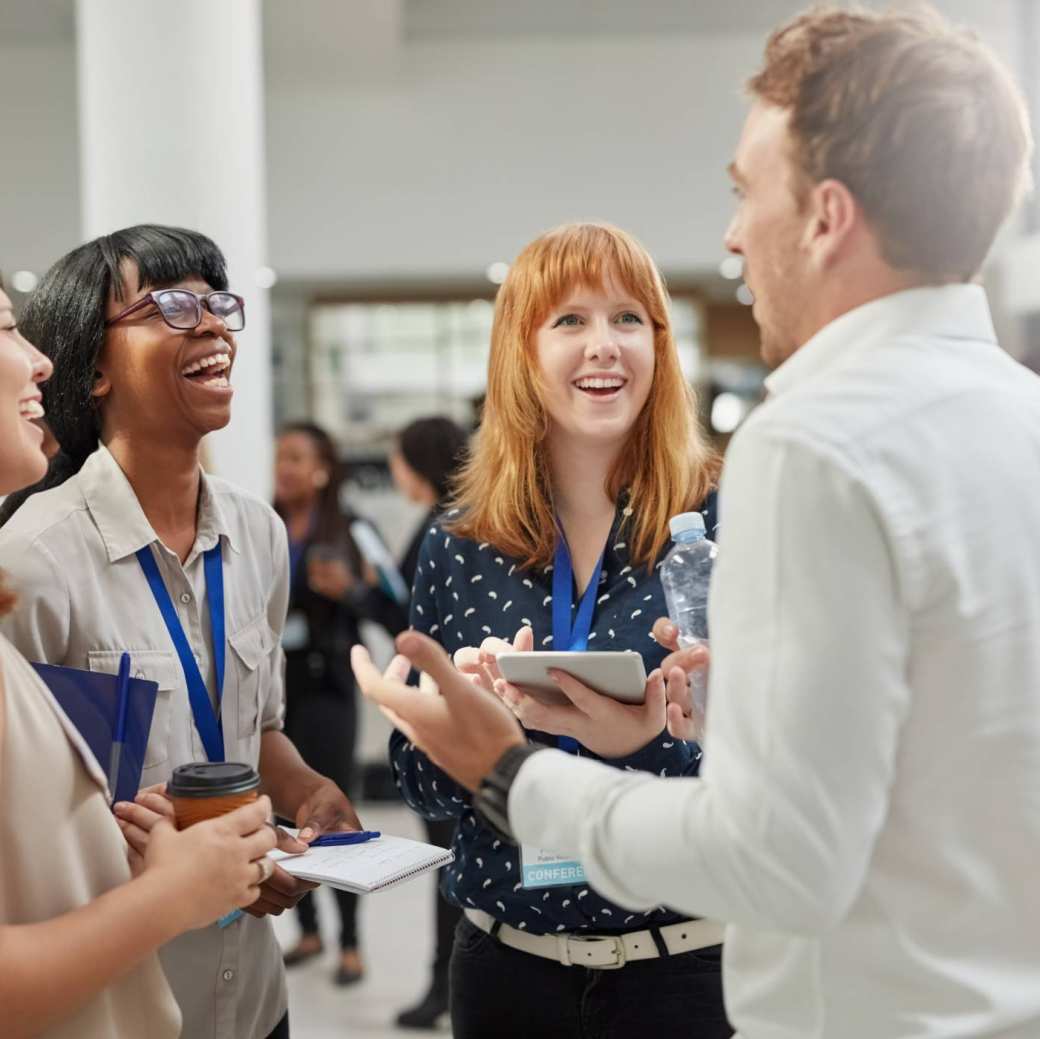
119,732
350,837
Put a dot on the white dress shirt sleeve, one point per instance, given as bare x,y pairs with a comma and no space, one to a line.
277,607
807,696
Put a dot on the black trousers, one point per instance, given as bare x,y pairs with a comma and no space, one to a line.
347,902
501,992
442,833
323,727
281,1030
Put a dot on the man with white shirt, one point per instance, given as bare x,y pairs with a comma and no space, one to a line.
867,821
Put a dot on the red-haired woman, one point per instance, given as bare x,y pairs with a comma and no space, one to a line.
589,443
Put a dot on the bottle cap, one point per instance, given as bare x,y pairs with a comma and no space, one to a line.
686,521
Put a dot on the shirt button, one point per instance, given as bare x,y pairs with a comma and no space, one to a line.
229,975
185,598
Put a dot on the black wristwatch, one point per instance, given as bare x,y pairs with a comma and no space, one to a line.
492,798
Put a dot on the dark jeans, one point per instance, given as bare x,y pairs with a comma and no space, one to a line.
281,1030
323,727
501,992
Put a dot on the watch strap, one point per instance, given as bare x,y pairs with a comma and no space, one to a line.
492,798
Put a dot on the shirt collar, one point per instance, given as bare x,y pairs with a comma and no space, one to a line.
121,521
945,311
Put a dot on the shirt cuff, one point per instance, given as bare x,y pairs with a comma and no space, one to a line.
548,797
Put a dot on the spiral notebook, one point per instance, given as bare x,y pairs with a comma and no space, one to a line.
364,868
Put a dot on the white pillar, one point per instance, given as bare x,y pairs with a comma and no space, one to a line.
171,132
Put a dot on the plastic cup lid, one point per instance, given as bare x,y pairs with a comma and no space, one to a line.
212,779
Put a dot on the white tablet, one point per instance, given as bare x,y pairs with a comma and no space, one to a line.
619,675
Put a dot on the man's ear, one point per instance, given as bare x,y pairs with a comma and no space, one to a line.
833,214
101,386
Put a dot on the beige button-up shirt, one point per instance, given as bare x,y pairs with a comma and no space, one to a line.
53,796
84,600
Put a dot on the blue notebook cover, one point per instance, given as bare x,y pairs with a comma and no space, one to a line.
90,699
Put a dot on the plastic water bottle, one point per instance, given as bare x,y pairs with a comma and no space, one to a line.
685,577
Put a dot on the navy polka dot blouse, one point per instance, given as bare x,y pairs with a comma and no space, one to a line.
465,592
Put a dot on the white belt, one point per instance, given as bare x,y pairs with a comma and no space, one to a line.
603,951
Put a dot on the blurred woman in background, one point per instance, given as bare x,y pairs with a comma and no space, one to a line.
423,464
331,592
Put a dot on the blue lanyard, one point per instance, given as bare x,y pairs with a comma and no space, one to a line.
567,636
207,721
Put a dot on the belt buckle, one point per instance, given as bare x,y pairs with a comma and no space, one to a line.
620,954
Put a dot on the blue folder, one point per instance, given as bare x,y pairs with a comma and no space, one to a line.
91,700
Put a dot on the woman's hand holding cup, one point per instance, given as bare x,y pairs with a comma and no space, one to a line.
213,867
137,819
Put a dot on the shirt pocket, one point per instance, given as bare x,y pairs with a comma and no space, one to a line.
251,650
153,665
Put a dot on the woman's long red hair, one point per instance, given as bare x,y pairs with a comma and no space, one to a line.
504,491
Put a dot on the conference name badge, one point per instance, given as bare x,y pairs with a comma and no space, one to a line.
541,868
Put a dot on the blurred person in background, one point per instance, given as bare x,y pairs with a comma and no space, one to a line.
332,590
127,545
423,463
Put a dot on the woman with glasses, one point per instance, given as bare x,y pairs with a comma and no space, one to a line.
65,882
126,545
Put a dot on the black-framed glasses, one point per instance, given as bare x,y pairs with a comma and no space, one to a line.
181,309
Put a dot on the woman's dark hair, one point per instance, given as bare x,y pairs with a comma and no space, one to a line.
332,523
64,318
434,448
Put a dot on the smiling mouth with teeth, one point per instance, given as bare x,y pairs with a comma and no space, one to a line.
209,371
31,409
602,386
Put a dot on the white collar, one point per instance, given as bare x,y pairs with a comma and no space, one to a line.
947,311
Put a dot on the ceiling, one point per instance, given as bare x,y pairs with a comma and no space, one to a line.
430,19
290,23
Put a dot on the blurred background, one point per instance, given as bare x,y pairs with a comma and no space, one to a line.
370,168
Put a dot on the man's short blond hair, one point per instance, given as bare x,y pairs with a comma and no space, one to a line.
917,118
